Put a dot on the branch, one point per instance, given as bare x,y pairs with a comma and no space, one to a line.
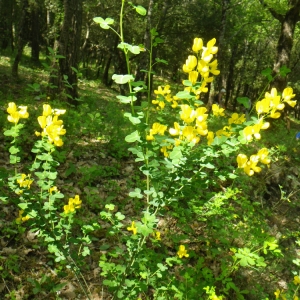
275,14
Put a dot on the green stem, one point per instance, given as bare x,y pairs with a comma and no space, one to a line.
126,56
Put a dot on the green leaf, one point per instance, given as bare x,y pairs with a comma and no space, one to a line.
133,137
245,101
161,61
13,150
103,23
122,79
176,153
284,71
86,251
266,72
184,95
110,206
119,216
141,10
23,206
136,193
187,83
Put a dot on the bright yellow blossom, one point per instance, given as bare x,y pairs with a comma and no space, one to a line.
190,64
14,114
74,203
52,127
53,189
182,252
164,91
193,76
132,228
217,111
157,235
277,293
296,280
190,133
210,138
175,130
157,128
236,119
287,95
198,45
21,219
25,181
263,156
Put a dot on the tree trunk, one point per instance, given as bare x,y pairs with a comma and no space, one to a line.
35,32
144,56
69,47
225,8
6,21
285,42
22,35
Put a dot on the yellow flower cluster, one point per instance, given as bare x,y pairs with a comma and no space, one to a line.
157,128
254,130
237,119
190,132
14,114
273,102
52,127
201,64
217,110
132,228
74,203
21,219
162,95
24,181
250,165
182,252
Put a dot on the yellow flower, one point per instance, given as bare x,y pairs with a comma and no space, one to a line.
242,160
23,182
157,128
69,208
287,95
263,156
209,50
73,203
21,219
187,114
132,228
182,252
296,298
236,119
157,235
193,76
210,138
190,64
263,106
53,189
175,130
14,114
164,91
52,127
277,293
198,44
76,202
296,280
251,167
201,127
217,111
190,134
47,110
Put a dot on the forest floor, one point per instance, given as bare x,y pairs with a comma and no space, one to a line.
96,165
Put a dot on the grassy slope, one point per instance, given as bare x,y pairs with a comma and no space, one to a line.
95,164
